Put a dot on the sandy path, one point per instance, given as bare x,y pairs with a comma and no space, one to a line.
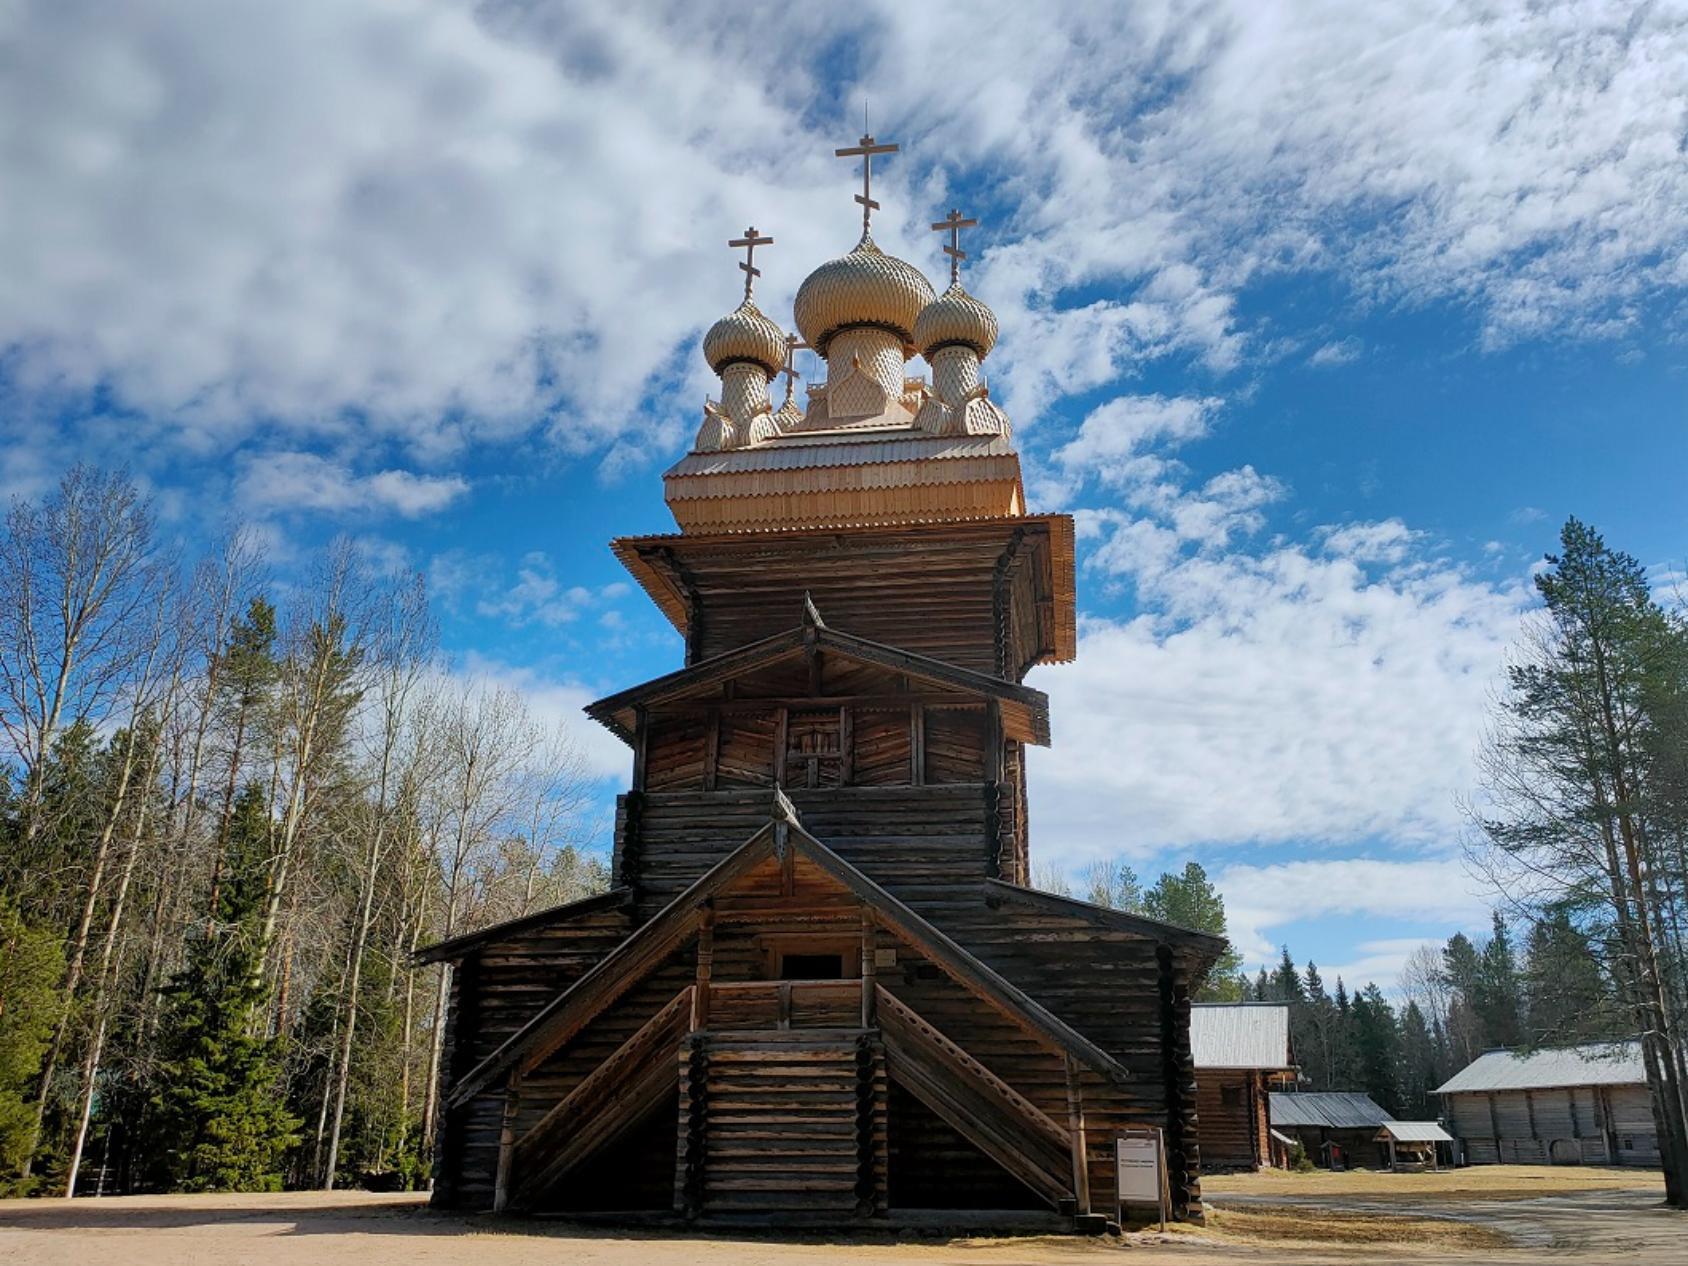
360,1229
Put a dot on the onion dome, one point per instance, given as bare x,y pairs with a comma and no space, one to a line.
955,317
867,287
745,334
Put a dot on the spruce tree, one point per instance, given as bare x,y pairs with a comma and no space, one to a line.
31,966
218,1119
1377,1046
1499,1000
1567,995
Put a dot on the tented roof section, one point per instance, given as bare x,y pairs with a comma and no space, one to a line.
1595,1064
1240,1035
1417,1132
1330,1110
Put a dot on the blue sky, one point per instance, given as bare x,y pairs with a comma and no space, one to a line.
1319,321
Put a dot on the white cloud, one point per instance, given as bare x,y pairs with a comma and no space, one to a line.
1342,352
557,702
1262,898
1385,542
445,223
1113,433
537,595
1276,695
294,482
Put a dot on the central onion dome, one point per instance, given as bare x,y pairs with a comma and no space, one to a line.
866,288
745,335
955,318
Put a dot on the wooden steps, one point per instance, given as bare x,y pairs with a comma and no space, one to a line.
974,1102
776,1122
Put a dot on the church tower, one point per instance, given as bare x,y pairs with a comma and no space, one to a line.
822,988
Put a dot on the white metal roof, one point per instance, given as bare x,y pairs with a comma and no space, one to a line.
1417,1132
1596,1064
1330,1110
1240,1034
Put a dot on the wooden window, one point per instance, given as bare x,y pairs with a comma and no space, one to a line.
805,956
1231,1096
811,966
814,747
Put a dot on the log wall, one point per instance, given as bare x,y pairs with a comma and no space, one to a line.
1231,1103
1593,1125
980,595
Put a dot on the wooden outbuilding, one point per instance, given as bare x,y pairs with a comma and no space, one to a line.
1569,1105
1339,1129
1242,1051
1414,1145
821,989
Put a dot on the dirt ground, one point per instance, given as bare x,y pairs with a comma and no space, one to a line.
1510,1215
1478,1182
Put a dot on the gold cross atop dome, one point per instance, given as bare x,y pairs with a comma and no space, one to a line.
750,242
865,149
954,223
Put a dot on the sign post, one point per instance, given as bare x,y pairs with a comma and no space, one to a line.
1140,1168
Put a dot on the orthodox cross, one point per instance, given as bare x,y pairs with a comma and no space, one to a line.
792,343
865,149
954,223
750,242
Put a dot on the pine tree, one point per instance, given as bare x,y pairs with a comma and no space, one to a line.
1190,900
31,965
218,1120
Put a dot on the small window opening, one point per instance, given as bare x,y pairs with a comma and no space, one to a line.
811,967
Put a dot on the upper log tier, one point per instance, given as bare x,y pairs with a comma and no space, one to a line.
994,595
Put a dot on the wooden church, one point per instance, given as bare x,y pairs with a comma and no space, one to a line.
822,989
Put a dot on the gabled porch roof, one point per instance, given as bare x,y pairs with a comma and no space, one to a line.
1025,711
579,1004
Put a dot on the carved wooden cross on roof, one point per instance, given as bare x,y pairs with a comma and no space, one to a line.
865,149
750,242
954,223
792,343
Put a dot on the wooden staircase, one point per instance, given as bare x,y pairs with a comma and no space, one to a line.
975,1102
613,1098
782,1122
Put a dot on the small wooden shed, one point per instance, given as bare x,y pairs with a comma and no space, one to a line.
1339,1129
1242,1050
1568,1105
1414,1145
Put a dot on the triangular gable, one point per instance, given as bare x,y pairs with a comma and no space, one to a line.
579,1004
1204,945
1025,711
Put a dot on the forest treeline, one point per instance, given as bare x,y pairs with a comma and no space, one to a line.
231,810
1580,829
232,807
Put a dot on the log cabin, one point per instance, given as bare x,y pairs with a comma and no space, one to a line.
1567,1105
821,988
1340,1129
1242,1052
